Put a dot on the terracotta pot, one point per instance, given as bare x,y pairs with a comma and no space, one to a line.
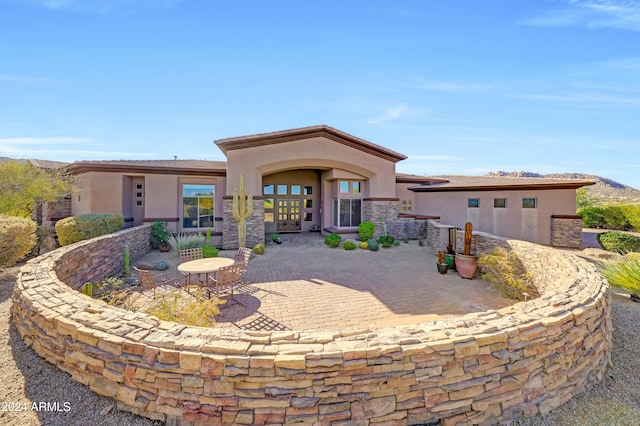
466,265
164,248
442,267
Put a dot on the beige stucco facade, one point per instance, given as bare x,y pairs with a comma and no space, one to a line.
314,179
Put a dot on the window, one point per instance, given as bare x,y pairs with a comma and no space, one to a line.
356,187
282,189
473,203
308,190
529,203
344,187
499,203
308,204
406,206
308,217
268,189
198,205
296,190
347,212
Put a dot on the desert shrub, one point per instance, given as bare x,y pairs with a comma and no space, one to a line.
632,211
17,238
333,240
349,245
386,240
618,242
161,266
366,230
624,274
592,217
179,306
615,218
372,244
208,251
506,272
85,226
159,234
364,245
184,241
258,248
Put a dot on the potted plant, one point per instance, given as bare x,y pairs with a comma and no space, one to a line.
466,263
276,238
159,236
441,263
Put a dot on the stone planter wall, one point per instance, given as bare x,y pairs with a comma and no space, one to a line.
478,368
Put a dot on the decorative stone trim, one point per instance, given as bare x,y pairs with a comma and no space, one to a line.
480,368
255,225
566,231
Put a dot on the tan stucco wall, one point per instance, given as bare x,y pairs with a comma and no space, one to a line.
512,222
99,192
315,153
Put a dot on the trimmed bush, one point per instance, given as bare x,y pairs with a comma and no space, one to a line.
86,226
618,242
372,244
17,238
333,240
208,251
258,248
592,217
349,245
616,218
364,245
366,230
386,240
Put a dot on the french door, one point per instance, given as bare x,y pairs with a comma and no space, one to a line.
288,214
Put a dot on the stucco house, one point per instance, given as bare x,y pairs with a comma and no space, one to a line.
321,179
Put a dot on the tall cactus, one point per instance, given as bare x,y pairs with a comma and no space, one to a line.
468,230
242,210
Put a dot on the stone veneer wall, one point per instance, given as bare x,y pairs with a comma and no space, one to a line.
480,368
566,231
255,224
387,210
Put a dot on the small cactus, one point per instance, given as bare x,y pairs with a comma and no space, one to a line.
87,289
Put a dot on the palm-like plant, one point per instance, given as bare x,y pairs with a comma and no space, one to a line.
624,274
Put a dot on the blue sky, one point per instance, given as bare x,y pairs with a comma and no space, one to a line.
461,87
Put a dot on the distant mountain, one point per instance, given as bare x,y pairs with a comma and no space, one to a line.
605,189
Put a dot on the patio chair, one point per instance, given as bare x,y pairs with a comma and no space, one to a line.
148,281
190,254
225,280
242,257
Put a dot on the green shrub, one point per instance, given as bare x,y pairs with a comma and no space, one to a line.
184,241
633,215
159,234
349,245
333,240
161,266
17,238
618,242
258,248
372,244
85,226
592,217
386,240
366,230
624,274
615,218
364,245
208,251
507,273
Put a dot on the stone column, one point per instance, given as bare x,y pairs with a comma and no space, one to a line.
255,224
376,209
566,231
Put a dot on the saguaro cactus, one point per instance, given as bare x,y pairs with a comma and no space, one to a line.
468,230
242,210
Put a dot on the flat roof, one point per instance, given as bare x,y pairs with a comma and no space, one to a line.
493,183
183,167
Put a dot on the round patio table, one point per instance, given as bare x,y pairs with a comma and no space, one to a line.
203,266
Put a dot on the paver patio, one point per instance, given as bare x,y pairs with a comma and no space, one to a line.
304,285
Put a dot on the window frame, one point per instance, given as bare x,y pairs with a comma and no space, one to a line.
199,217
469,203
337,213
496,203
535,203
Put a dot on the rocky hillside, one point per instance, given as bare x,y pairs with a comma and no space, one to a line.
605,189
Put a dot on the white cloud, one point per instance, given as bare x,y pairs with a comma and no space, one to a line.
442,86
102,6
621,14
392,113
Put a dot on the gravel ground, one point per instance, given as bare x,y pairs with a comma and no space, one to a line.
26,379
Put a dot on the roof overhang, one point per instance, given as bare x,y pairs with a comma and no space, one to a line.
324,131
85,167
501,187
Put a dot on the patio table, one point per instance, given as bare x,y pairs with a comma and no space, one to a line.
203,266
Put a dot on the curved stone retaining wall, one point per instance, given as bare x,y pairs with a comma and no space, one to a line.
474,369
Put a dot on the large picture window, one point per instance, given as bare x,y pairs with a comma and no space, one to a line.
347,212
198,202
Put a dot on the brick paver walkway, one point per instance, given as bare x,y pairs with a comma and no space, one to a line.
304,285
